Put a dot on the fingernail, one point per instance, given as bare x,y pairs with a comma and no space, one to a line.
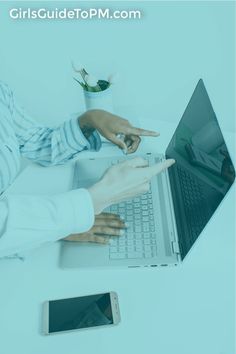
171,162
122,217
127,225
122,232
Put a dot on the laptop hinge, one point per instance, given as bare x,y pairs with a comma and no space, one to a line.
175,247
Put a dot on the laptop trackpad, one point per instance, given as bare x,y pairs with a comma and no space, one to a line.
76,254
88,172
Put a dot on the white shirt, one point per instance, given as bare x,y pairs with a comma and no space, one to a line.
28,221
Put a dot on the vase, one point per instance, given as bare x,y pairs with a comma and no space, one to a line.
99,100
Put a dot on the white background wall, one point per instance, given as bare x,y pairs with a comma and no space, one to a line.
160,58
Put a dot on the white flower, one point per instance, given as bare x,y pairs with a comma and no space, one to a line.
113,78
77,66
91,80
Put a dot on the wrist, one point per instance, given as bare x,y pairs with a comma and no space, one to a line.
99,197
85,124
91,117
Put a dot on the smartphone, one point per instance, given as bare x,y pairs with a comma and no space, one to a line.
82,312
202,159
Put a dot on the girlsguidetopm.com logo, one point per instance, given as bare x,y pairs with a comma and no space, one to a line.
73,14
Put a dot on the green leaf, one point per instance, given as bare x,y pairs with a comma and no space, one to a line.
81,83
103,84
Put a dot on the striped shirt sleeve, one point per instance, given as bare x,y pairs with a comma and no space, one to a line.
50,146
27,221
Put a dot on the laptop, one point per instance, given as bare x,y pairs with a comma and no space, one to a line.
165,222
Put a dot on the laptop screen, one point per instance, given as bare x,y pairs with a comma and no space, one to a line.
203,172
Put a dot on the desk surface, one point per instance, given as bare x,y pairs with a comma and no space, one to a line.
183,310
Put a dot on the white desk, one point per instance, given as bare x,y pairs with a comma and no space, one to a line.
183,310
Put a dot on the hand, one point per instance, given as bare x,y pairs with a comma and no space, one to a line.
105,225
124,181
110,125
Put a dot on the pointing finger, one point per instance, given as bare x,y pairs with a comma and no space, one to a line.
141,132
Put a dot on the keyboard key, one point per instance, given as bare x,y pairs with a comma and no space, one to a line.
130,228
121,210
146,227
121,249
130,243
138,248
113,241
113,249
138,235
147,249
122,241
138,243
130,236
137,217
146,242
144,201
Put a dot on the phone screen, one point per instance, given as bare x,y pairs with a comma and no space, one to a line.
80,312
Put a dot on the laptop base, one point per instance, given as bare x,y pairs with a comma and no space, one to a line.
94,255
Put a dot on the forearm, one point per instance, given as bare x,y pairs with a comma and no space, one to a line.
29,221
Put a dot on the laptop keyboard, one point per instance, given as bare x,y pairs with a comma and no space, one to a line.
193,201
139,240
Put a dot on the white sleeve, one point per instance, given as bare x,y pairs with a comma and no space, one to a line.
28,221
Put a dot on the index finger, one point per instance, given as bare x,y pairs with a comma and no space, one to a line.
141,132
159,167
